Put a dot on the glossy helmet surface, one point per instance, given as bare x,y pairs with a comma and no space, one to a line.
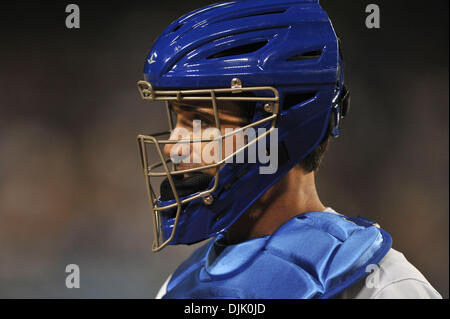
284,51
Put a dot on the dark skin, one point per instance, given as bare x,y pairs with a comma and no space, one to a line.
294,194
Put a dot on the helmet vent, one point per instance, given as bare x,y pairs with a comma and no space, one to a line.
311,55
252,14
291,100
177,27
242,49
278,11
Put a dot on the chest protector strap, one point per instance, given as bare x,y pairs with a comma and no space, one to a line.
314,255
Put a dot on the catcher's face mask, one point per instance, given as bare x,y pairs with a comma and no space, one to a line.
182,186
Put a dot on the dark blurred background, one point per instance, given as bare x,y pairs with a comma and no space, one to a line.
71,188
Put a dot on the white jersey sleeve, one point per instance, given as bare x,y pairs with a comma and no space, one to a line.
394,278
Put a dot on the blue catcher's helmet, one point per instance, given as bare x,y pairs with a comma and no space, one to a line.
285,56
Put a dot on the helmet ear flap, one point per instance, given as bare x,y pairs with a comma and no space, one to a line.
342,105
339,111
344,99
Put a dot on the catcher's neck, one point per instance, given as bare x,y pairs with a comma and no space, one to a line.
294,194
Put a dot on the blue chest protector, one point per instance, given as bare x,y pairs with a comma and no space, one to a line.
314,255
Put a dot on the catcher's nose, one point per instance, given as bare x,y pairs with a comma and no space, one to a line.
175,150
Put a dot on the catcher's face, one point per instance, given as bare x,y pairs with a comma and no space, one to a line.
195,121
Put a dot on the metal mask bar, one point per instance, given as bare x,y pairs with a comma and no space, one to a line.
148,93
